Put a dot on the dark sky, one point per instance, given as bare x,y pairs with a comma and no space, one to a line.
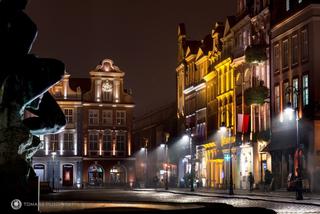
140,36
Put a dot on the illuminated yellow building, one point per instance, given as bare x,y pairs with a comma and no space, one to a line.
193,65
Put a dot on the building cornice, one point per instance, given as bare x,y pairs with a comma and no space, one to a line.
306,10
225,61
113,105
111,158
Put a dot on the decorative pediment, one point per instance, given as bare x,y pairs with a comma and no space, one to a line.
107,66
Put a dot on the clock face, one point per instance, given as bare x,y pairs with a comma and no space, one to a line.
106,86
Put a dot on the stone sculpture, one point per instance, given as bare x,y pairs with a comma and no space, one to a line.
27,108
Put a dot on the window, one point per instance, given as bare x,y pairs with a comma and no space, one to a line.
294,49
107,117
295,84
68,113
68,141
121,117
287,5
54,142
304,45
93,117
285,52
305,89
121,138
277,99
276,58
93,141
107,141
286,94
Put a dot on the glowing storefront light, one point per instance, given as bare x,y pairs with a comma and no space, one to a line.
61,146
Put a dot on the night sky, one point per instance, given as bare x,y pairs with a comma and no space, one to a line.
140,36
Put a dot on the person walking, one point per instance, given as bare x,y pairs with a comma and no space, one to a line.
251,181
267,180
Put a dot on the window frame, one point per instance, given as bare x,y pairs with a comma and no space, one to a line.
122,120
91,118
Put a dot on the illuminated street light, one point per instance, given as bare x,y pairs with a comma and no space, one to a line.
289,110
188,136
224,129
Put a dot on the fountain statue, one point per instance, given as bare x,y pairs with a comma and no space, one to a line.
27,109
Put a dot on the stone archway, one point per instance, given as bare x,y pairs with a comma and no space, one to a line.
95,175
118,175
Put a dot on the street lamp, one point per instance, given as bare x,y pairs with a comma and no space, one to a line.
289,110
53,154
223,129
189,135
167,135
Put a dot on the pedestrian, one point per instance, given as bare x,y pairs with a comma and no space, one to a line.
155,181
267,180
298,184
251,181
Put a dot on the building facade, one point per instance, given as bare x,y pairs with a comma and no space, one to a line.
153,134
107,129
59,162
95,148
294,75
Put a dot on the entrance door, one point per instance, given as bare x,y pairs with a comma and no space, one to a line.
67,175
117,175
95,175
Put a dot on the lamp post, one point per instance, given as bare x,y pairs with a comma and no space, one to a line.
190,135
223,128
289,110
167,135
53,154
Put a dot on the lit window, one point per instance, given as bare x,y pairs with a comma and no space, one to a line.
286,94
305,88
295,84
304,44
285,55
93,141
68,141
277,99
93,117
276,58
121,117
294,49
107,117
54,142
68,112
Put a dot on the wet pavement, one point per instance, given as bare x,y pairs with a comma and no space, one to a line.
165,200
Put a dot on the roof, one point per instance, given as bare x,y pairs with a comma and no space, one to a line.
207,44
194,46
83,83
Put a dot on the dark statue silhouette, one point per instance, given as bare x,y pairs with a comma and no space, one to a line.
26,107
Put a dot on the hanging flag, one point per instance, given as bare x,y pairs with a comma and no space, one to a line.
243,123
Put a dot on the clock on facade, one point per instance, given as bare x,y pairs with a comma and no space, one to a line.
107,86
